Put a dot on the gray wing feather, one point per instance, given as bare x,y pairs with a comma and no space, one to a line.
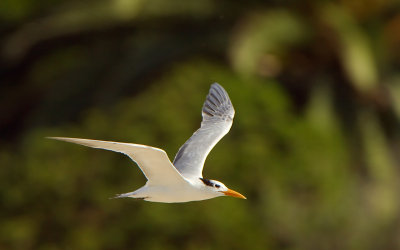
217,120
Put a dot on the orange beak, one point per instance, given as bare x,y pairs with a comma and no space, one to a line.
233,194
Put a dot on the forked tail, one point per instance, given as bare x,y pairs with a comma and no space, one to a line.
133,194
130,194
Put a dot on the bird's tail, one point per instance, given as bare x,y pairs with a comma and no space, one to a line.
129,195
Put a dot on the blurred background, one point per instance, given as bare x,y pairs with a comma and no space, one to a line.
315,144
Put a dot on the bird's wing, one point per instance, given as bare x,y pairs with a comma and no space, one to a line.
153,162
217,115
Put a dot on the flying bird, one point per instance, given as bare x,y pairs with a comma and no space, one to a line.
182,180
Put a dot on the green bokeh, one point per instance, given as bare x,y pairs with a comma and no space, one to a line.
314,144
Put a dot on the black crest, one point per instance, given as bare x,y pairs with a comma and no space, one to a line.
207,182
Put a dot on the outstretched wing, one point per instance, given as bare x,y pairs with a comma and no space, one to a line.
153,162
218,116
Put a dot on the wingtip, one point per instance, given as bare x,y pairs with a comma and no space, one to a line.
67,139
53,138
218,104
220,90
215,84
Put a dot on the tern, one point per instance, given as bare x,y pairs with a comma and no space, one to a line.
182,180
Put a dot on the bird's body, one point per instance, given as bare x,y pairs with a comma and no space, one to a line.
181,181
190,191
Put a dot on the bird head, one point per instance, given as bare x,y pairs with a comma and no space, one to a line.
220,189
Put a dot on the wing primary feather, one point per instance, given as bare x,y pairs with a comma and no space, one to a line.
153,162
217,115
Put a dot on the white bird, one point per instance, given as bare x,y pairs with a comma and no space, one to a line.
182,180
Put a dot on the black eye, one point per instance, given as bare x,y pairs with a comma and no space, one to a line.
217,185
